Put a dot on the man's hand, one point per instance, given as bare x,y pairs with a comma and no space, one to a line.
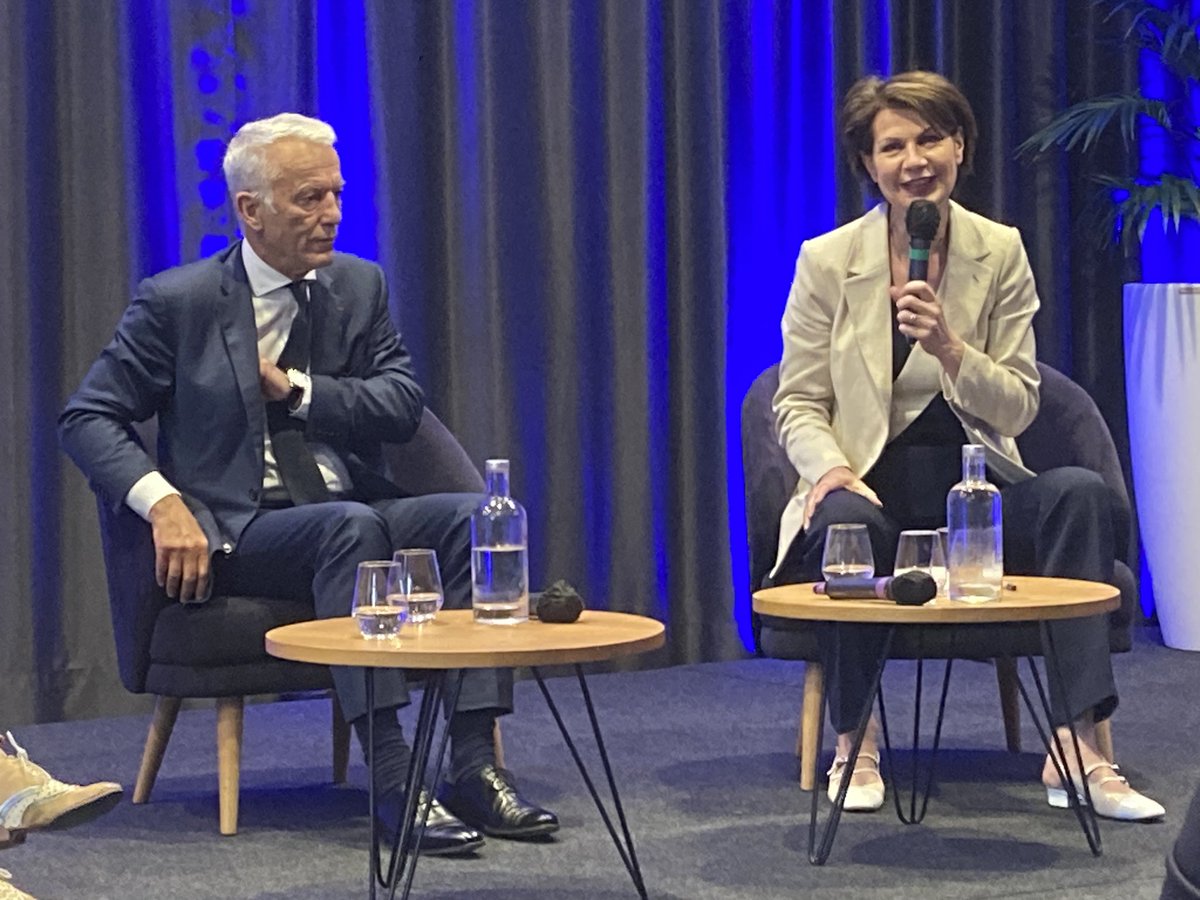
180,550
835,479
273,380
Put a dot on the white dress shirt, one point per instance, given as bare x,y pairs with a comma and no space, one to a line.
274,310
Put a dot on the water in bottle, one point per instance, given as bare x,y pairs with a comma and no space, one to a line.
499,553
975,532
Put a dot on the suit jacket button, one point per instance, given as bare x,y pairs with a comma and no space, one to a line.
227,548
253,492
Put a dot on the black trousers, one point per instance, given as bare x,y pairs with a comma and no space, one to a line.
1057,524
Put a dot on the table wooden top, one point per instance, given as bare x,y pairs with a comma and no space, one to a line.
455,641
1032,599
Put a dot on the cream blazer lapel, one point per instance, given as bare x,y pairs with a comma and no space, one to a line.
865,293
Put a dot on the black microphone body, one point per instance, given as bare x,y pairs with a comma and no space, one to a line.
907,588
921,220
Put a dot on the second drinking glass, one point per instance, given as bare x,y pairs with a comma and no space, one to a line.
922,551
420,582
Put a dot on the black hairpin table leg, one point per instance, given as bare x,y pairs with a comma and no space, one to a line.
818,854
1085,812
624,847
915,815
406,844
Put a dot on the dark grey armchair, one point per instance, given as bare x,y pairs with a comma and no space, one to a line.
215,649
1068,431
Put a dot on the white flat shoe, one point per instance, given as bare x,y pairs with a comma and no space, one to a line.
859,797
1125,807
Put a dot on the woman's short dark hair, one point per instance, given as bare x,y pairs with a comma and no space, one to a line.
927,94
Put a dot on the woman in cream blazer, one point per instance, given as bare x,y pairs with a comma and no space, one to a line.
883,379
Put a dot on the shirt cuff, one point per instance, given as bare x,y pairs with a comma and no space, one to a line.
305,384
147,491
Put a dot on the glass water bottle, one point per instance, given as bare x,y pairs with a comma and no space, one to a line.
499,553
974,532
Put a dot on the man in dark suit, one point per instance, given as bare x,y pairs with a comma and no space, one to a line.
276,374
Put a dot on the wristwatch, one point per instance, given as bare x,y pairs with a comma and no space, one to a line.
299,382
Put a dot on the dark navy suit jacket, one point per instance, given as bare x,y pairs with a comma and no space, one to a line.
186,351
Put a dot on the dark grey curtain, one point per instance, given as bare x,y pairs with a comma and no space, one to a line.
557,190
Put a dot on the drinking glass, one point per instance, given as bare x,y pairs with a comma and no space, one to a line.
379,607
922,551
420,582
847,552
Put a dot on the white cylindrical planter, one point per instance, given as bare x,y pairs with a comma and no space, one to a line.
1162,386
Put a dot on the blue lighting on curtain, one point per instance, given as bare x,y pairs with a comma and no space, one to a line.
781,190
155,220
1166,257
883,38
658,326
343,95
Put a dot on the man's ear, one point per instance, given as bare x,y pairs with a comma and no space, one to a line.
248,206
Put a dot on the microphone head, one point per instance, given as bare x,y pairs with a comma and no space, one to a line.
922,220
912,588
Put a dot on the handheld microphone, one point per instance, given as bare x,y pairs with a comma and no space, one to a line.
921,220
907,589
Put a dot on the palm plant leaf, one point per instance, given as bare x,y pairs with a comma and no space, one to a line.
1126,205
1133,202
1170,34
1081,125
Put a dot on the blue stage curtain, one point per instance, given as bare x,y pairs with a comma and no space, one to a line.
588,212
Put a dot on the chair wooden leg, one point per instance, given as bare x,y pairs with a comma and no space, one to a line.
1010,702
229,759
341,741
810,722
166,710
498,744
1104,739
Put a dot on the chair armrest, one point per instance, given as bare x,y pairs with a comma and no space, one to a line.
135,599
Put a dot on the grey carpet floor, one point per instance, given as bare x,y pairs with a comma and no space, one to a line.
705,762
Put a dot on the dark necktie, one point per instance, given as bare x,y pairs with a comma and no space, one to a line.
297,468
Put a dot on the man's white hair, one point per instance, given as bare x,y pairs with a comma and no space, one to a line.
245,164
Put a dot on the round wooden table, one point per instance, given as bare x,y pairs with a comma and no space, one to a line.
454,641
1024,599
1029,599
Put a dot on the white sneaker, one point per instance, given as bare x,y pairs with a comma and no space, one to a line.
30,797
9,891
1126,806
866,797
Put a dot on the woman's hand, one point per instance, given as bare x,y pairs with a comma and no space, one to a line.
835,479
919,314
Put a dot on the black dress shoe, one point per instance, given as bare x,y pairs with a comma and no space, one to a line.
444,834
489,801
